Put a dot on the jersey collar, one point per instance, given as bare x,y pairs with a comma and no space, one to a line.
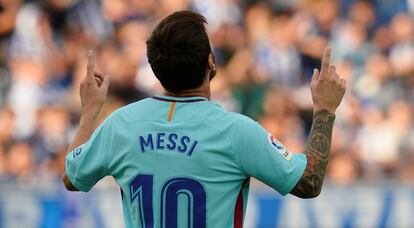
179,99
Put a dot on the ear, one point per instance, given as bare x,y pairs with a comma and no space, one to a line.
212,65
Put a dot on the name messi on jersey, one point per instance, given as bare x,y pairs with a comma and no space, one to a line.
167,141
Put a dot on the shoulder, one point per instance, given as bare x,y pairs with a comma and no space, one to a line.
234,122
126,113
134,106
241,121
214,113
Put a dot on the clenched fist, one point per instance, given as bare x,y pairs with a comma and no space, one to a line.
93,89
327,87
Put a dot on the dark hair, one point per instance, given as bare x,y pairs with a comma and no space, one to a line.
178,51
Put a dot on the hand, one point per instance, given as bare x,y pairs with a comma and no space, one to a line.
93,89
327,87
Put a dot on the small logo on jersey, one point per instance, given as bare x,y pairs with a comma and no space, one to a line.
77,152
279,147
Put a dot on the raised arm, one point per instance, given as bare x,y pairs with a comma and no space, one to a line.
327,91
93,91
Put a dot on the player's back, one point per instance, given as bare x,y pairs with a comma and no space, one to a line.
182,162
176,164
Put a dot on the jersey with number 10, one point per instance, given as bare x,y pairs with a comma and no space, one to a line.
183,162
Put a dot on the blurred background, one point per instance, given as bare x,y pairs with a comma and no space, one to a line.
265,51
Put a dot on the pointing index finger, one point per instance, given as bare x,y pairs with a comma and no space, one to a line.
91,64
326,61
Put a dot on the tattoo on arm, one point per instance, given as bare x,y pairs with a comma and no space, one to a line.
317,153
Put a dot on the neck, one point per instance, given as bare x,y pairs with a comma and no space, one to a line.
202,91
187,93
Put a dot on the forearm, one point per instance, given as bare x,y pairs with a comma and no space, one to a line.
84,132
317,153
86,127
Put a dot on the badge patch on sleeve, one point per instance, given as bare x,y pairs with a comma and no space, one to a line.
279,147
77,152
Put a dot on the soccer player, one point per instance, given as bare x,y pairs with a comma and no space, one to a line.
180,159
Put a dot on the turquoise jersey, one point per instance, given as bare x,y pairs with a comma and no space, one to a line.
183,162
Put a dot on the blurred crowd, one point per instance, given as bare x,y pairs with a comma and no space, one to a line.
266,52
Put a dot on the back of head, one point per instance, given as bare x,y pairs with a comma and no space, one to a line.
178,51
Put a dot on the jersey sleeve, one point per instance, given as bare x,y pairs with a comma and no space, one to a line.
88,163
260,155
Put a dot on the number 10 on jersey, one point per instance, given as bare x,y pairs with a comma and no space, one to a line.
141,191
